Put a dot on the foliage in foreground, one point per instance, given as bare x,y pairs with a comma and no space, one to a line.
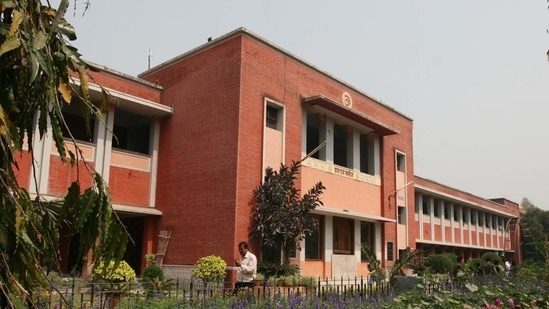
488,292
35,83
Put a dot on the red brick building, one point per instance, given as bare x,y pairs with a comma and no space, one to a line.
195,134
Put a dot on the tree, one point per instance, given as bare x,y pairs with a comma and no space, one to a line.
36,68
526,205
535,232
280,216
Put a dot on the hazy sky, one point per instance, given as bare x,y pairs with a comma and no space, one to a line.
473,74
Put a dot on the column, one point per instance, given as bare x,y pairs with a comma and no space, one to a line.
327,133
419,202
154,145
42,151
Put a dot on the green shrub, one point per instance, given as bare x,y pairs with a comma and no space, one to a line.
473,265
271,281
122,273
150,259
532,271
292,280
493,256
440,263
309,281
451,256
277,270
153,272
210,268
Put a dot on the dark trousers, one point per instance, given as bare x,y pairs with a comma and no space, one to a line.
243,285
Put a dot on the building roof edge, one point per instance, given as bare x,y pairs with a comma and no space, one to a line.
262,40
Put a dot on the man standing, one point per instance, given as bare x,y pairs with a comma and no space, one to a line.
247,268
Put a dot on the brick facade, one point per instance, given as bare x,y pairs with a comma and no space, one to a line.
211,151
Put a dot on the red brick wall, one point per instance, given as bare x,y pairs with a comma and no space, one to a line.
267,73
507,206
129,187
125,85
438,233
214,139
197,168
427,232
61,176
457,236
447,234
23,169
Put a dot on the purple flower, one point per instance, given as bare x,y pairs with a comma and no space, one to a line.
511,303
499,303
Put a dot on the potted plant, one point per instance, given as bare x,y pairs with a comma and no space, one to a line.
374,264
309,281
292,280
259,279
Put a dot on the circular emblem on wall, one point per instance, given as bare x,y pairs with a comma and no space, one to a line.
346,99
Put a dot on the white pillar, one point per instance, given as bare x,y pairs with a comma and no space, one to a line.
154,145
419,202
328,238
40,168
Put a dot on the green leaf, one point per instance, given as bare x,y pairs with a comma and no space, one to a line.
9,44
8,3
34,66
65,90
16,20
39,41
471,287
68,31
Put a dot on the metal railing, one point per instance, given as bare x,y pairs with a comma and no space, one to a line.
79,293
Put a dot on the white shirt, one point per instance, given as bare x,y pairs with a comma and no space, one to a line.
248,268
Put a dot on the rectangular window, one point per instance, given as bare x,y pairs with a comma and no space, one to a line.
456,212
473,216
481,220
390,251
131,131
446,211
436,209
313,242
344,232
402,253
465,215
313,134
401,162
75,122
401,215
366,238
271,117
341,146
425,207
367,153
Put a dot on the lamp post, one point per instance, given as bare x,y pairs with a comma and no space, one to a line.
394,194
506,231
